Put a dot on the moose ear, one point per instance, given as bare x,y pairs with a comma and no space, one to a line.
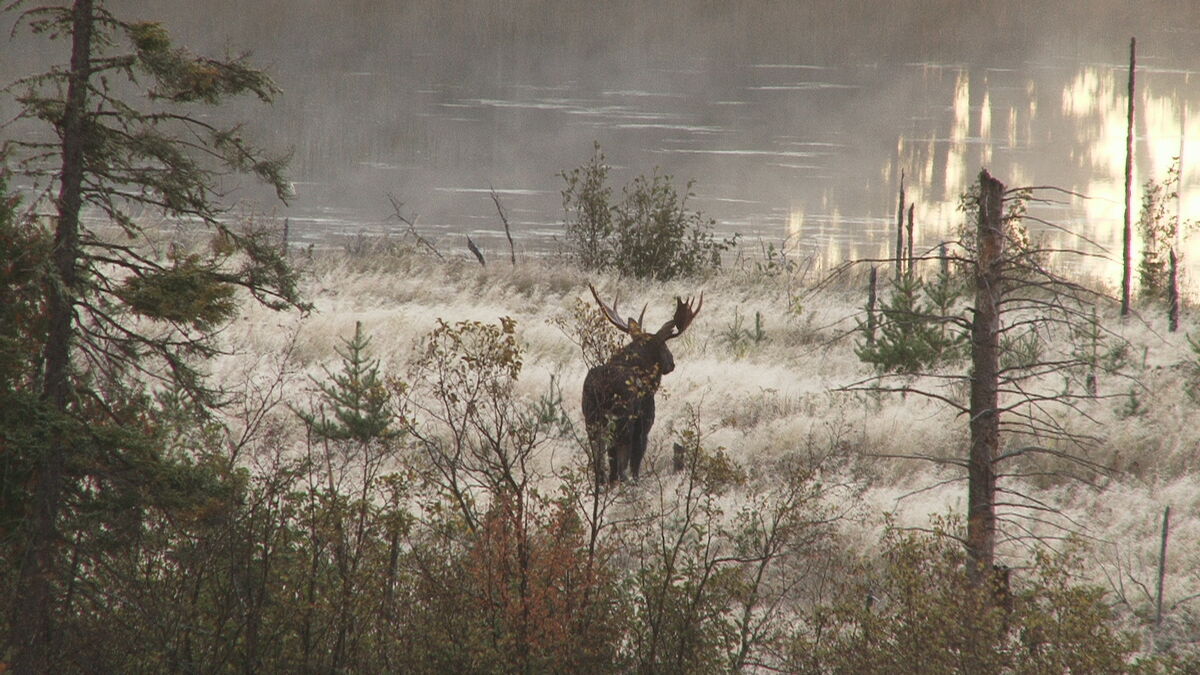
635,325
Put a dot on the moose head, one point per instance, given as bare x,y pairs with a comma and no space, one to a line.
618,395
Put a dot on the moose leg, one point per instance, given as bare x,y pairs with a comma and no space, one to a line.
641,435
620,457
598,455
600,448
635,459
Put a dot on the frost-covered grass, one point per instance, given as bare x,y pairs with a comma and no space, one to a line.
761,399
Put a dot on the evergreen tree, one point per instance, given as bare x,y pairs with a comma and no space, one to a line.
362,409
916,329
123,133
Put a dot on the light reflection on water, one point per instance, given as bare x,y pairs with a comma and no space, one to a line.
795,124
780,176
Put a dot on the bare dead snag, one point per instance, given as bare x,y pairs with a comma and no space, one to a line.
1127,249
1173,294
1162,566
985,377
900,231
512,251
911,206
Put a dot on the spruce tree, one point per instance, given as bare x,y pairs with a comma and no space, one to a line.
915,330
123,130
361,404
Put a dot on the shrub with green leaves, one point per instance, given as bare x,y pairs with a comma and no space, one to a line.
1158,225
649,234
918,612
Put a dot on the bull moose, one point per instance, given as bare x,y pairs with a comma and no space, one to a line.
618,395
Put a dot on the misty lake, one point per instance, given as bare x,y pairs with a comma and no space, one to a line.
794,119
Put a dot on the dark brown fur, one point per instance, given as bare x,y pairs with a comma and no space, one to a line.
618,396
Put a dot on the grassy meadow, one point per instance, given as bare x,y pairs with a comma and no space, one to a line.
777,390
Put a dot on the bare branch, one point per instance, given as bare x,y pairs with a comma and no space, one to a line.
397,205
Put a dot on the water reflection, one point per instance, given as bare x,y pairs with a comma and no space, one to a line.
1030,130
795,121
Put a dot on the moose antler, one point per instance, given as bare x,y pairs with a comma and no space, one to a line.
684,313
618,395
614,317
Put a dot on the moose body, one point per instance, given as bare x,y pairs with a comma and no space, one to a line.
618,395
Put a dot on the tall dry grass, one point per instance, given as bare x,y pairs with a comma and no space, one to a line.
778,394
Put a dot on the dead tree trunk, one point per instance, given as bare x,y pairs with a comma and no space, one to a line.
985,373
512,251
910,237
871,323
1162,566
900,232
1127,250
1173,294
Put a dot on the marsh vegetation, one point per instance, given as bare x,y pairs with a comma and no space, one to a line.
221,452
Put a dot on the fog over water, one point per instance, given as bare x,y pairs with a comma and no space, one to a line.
795,119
